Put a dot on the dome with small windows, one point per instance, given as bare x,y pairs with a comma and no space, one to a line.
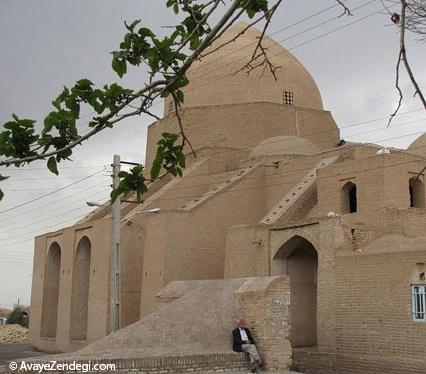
216,79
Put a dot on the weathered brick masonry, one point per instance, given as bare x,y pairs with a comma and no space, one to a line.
273,191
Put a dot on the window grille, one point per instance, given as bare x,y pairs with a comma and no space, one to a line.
418,293
288,98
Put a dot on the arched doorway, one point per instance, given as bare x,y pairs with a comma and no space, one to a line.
80,290
52,273
298,259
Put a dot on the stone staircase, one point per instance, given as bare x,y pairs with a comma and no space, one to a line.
296,192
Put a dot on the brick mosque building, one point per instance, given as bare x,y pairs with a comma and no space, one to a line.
272,192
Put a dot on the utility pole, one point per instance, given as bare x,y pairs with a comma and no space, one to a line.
115,252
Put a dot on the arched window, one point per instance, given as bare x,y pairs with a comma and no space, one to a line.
417,193
80,290
52,272
348,198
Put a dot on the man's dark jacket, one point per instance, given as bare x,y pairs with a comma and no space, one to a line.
236,339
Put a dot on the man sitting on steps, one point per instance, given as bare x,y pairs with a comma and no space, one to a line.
244,342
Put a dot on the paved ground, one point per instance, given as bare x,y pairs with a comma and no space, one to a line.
12,351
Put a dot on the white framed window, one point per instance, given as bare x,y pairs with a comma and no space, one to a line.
418,297
288,98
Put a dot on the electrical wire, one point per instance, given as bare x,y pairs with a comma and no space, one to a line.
52,217
262,187
51,193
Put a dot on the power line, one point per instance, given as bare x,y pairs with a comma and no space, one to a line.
40,189
20,215
42,228
260,187
3,169
315,38
355,124
51,193
52,217
278,184
326,141
52,178
270,35
276,43
215,79
356,134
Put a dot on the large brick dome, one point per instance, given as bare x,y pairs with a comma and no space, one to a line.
214,81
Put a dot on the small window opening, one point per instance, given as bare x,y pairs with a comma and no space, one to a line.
349,198
418,297
417,193
288,98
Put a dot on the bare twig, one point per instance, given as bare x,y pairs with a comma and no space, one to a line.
346,10
401,96
185,139
402,56
156,87
416,18
260,56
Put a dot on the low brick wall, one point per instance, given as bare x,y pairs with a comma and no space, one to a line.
156,365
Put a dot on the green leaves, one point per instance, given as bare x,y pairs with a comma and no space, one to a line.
135,47
164,55
17,139
52,165
252,7
119,65
131,181
169,156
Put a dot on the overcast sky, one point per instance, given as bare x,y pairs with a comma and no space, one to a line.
48,43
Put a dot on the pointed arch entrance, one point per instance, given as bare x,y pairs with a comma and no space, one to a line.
52,273
80,290
298,259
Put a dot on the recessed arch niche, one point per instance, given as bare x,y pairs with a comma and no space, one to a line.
80,290
52,273
298,259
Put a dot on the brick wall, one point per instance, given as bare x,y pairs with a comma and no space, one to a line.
264,302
